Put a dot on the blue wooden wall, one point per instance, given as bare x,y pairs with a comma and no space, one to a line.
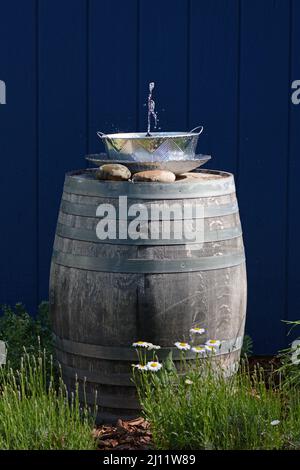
72,67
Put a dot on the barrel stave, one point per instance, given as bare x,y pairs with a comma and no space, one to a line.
104,296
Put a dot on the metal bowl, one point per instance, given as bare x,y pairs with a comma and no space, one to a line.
158,146
176,166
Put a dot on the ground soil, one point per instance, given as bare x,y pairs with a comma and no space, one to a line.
126,435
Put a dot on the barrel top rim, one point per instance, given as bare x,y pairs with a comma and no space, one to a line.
216,183
82,174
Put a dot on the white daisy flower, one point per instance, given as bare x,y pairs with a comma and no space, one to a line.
154,366
142,344
197,331
182,346
189,382
275,422
139,366
199,349
213,343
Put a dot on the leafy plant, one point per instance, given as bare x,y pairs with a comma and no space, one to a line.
247,347
37,415
19,330
290,361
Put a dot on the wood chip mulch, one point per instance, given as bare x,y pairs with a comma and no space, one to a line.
126,435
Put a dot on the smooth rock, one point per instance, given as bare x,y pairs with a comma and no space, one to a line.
159,176
113,171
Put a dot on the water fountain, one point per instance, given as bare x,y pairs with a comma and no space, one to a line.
139,151
106,292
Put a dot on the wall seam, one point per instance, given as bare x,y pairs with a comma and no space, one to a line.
37,125
87,78
238,93
188,64
138,17
287,224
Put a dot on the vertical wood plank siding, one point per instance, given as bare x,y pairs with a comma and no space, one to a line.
74,67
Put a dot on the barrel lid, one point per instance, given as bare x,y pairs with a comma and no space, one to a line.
199,183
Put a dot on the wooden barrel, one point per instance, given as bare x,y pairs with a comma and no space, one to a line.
106,294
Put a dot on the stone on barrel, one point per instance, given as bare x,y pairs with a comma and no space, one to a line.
159,176
114,172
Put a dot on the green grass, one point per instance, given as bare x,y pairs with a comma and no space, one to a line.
36,414
204,410
199,409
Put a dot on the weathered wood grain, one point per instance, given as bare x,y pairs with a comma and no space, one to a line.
114,309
